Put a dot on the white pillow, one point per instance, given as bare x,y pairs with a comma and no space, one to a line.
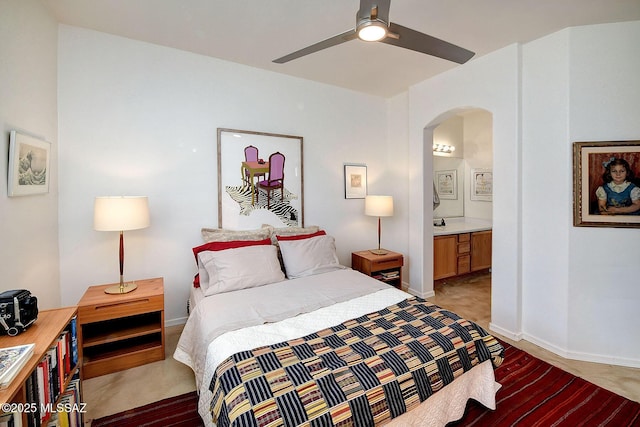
238,268
310,256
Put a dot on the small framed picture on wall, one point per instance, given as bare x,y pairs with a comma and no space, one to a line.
482,184
355,181
29,159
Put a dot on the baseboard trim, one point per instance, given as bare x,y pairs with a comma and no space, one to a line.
584,357
515,336
176,322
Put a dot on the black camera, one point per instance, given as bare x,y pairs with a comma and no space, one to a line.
18,310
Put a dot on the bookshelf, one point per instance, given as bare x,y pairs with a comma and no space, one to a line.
48,386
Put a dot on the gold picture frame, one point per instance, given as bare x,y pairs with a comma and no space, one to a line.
590,162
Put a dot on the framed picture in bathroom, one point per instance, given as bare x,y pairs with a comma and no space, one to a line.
606,184
482,184
447,184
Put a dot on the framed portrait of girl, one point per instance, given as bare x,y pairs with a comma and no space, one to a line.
606,184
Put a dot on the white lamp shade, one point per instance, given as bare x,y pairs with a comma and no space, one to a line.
378,205
120,213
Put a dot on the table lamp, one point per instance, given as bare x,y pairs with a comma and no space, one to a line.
120,214
378,206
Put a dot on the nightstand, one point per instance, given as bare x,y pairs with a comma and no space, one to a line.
387,268
121,331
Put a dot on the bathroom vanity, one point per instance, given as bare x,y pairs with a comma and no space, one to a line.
460,247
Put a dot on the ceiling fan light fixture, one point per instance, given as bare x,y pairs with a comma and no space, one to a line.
372,31
373,24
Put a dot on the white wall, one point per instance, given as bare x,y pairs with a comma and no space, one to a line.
141,119
546,190
28,88
604,267
490,83
572,290
580,284
395,229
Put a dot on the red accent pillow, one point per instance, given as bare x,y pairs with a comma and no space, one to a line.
302,236
221,246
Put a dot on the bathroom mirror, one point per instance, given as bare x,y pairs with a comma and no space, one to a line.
448,178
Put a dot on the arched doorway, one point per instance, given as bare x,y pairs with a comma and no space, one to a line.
462,153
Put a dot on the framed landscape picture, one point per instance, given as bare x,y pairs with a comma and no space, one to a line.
29,159
606,186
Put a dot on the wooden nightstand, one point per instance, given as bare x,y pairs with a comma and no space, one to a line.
387,268
121,331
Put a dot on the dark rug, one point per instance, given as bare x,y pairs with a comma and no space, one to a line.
533,393
178,411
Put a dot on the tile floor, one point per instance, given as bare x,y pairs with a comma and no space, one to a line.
469,297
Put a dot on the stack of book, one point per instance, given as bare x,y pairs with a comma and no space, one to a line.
389,275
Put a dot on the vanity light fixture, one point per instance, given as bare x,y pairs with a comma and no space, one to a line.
443,148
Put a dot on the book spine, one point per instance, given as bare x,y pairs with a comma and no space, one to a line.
33,418
54,377
41,388
74,341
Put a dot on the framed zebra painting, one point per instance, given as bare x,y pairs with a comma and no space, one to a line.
260,180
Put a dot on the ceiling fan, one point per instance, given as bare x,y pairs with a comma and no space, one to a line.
372,24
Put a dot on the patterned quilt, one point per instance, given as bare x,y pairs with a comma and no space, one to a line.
363,372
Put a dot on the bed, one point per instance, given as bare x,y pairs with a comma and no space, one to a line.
326,345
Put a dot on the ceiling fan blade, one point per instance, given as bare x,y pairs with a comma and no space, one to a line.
367,6
420,42
332,41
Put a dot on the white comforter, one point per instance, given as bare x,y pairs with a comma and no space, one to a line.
224,324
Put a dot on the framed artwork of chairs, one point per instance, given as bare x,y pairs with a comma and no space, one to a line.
260,179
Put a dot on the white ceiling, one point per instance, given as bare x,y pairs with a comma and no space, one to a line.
254,32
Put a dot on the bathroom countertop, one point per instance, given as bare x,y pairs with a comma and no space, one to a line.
461,225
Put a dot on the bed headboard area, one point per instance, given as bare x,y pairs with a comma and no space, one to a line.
230,260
